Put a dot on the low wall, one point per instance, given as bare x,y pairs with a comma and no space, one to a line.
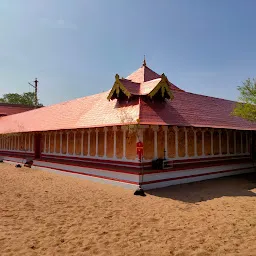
132,177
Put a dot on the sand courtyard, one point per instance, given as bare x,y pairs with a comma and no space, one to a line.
44,213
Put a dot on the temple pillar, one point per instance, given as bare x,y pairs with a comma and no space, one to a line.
49,146
220,148
82,143
165,128
61,142
19,142
33,143
105,141
45,138
97,142
124,128
203,150
74,144
89,139
228,152
186,141
67,143
155,129
114,151
176,129
29,141
54,146
195,141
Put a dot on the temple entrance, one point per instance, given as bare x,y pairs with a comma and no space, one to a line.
38,146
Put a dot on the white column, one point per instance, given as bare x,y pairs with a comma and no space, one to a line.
203,150
124,128
67,144
19,142
241,134
212,153
155,129
74,145
220,148
228,152
82,143
186,141
247,148
49,146
55,134
97,142
89,138
176,129
195,142
105,141
165,128
234,142
10,142
114,129
61,142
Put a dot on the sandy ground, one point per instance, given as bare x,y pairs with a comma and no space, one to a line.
43,213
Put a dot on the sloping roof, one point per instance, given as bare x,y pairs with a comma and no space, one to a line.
10,109
90,111
188,109
185,109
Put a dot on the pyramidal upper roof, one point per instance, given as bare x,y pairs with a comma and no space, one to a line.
145,74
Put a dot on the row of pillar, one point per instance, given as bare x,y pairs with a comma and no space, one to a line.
124,130
13,142
195,130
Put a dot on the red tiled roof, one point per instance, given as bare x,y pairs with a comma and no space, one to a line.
10,109
186,109
143,74
147,87
132,87
90,111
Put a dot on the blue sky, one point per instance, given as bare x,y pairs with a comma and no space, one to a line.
75,48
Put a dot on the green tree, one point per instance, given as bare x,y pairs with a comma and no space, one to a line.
246,108
27,98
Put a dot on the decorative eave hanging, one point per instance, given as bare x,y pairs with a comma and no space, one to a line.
163,88
117,88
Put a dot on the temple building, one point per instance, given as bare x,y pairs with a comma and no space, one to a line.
184,137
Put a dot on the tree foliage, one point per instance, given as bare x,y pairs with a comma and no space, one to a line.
247,107
27,98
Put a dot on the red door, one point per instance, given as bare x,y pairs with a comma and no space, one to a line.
37,146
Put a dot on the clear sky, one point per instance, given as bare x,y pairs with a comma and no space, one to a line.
76,47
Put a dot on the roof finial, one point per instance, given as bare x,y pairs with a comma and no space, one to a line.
144,62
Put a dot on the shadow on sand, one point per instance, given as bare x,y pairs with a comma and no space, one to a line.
239,185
